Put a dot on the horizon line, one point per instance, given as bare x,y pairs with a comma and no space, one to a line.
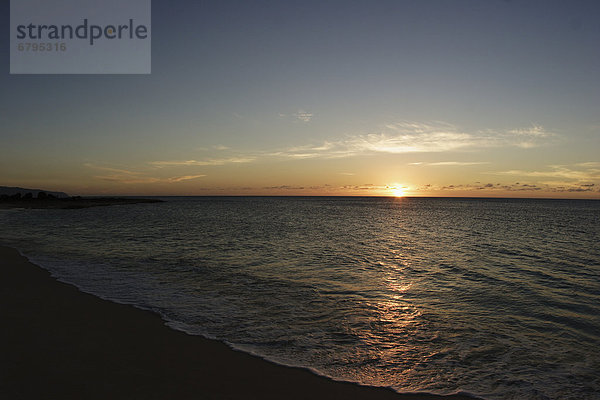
343,196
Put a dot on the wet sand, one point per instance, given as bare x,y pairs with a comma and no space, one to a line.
58,342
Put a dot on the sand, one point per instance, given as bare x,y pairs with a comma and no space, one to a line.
57,342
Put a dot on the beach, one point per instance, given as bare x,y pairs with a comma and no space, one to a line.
58,342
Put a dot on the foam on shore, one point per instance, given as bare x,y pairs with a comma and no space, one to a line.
60,342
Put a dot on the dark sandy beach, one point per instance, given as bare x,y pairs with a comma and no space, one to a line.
59,343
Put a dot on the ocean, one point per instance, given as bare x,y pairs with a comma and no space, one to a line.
499,298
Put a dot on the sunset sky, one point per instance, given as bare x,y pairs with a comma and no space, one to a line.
432,98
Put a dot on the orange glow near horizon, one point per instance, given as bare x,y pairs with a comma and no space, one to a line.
397,190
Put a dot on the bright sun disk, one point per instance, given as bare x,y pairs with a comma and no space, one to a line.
396,190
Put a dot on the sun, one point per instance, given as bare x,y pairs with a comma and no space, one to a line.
397,190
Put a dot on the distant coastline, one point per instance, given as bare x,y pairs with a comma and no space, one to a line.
18,197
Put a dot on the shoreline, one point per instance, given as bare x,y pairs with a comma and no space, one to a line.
59,342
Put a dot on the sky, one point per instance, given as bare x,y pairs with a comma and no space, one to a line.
372,98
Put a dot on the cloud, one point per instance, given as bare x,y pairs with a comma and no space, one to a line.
431,142
534,130
303,116
145,180
571,173
413,137
135,177
448,163
207,162
325,150
110,169
530,137
284,187
300,115
398,138
513,187
367,187
185,178
592,164
580,177
127,180
120,174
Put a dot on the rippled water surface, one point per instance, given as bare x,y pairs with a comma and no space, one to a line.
500,298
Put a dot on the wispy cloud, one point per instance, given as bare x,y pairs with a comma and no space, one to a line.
145,179
581,172
125,176
398,138
534,130
530,137
591,164
580,177
414,137
127,180
543,187
185,178
120,171
367,187
206,162
447,163
300,115
111,174
284,187
303,116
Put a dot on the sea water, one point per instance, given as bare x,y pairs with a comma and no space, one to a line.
495,297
